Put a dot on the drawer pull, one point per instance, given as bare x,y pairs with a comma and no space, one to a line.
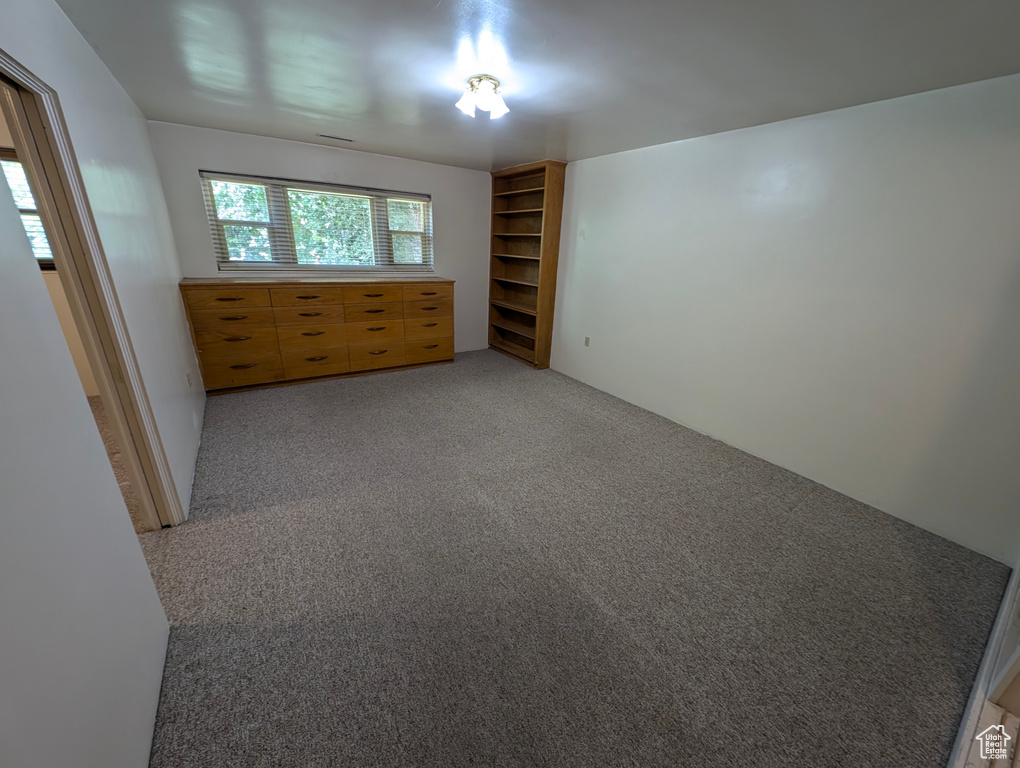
379,352
371,295
235,317
316,358
316,296
428,309
374,311
380,328
238,338
428,293
430,346
312,333
309,314
429,325
243,367
230,298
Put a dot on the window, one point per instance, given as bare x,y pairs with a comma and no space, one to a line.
17,180
264,223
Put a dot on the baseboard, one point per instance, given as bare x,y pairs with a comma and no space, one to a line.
996,652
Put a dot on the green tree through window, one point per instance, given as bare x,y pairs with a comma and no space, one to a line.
331,229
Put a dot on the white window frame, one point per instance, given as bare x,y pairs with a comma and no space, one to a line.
281,233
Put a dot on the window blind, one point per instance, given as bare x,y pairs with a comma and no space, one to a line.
17,181
260,222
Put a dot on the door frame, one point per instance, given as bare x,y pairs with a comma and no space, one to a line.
37,125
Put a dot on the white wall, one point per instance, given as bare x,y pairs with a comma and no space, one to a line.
839,294
111,141
82,633
70,331
460,202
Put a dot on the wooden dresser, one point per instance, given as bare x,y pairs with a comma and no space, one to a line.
253,331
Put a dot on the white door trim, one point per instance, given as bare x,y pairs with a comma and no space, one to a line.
996,651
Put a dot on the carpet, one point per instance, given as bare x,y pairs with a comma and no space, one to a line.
480,564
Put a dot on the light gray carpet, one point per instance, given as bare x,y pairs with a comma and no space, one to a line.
481,564
127,490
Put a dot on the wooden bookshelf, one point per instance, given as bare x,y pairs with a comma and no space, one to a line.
527,206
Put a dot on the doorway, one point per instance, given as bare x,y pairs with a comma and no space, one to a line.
63,233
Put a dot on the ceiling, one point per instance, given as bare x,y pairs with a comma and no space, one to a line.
581,77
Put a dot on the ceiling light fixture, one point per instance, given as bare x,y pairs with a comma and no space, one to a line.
483,93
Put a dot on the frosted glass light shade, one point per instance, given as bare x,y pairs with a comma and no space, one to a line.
498,108
467,103
485,95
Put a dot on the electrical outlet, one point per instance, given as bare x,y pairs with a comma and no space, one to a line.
190,383
587,341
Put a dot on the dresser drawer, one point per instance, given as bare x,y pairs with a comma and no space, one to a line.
373,294
309,296
235,344
375,332
428,328
294,337
303,364
427,308
219,319
255,369
324,313
365,357
427,292
362,312
226,297
428,350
